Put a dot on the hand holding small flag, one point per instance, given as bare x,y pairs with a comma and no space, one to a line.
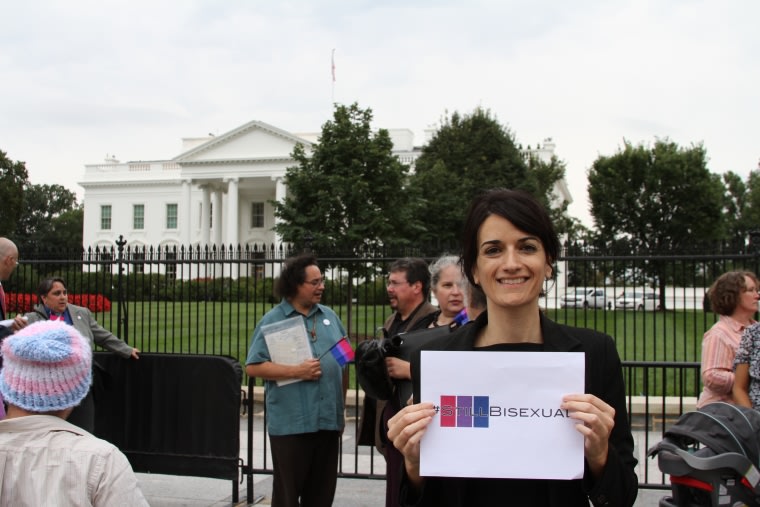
341,351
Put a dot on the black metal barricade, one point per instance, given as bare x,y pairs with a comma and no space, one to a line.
172,414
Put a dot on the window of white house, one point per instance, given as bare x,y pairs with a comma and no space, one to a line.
257,215
171,216
106,258
258,268
138,216
171,263
138,260
105,217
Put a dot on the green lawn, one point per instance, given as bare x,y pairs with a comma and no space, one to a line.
225,328
645,336
670,336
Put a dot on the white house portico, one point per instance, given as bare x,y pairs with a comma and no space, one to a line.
217,192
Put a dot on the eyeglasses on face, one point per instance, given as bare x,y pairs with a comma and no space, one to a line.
317,281
395,283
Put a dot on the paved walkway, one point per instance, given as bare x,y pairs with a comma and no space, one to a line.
172,491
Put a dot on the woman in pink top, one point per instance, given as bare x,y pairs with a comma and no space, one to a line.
734,297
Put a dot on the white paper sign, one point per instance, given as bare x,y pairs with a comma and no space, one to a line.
499,416
287,343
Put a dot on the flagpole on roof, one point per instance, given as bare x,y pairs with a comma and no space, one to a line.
332,70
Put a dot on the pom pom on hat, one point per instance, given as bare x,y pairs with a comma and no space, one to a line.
47,366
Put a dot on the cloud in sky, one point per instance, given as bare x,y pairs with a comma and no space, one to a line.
86,79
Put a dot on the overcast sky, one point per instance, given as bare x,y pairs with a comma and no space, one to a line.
82,79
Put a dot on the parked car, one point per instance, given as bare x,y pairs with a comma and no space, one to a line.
583,297
636,300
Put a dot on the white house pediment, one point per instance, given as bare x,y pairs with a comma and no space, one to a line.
252,141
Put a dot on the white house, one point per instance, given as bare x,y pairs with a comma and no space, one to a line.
216,192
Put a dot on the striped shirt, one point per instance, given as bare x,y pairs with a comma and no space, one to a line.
46,461
718,352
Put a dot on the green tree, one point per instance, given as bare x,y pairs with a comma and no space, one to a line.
735,207
751,212
661,199
468,154
68,228
13,178
346,193
46,221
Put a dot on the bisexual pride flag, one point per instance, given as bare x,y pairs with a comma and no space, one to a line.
342,351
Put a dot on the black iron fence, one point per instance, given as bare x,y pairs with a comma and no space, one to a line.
208,301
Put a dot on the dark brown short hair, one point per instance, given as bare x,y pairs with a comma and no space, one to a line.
724,293
416,270
520,208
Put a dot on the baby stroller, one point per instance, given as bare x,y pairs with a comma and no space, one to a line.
712,456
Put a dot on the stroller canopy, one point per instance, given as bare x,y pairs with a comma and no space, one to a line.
722,427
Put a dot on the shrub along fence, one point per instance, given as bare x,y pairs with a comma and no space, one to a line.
208,300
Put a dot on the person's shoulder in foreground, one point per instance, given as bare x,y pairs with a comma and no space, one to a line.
47,371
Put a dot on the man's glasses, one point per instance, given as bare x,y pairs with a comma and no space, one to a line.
317,282
395,283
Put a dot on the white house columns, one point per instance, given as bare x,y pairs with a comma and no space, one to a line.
216,214
205,223
280,191
232,211
187,212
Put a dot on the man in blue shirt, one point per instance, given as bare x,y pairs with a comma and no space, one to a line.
305,417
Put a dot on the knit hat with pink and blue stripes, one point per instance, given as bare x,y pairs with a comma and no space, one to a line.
47,366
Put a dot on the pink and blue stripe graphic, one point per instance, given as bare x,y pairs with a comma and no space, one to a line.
342,351
464,411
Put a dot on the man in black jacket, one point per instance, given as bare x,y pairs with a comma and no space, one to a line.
8,263
408,290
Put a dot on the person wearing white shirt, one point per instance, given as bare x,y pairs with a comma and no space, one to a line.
44,460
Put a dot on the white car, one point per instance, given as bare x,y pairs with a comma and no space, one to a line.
635,300
583,297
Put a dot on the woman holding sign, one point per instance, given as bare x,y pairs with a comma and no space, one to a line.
508,250
304,389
